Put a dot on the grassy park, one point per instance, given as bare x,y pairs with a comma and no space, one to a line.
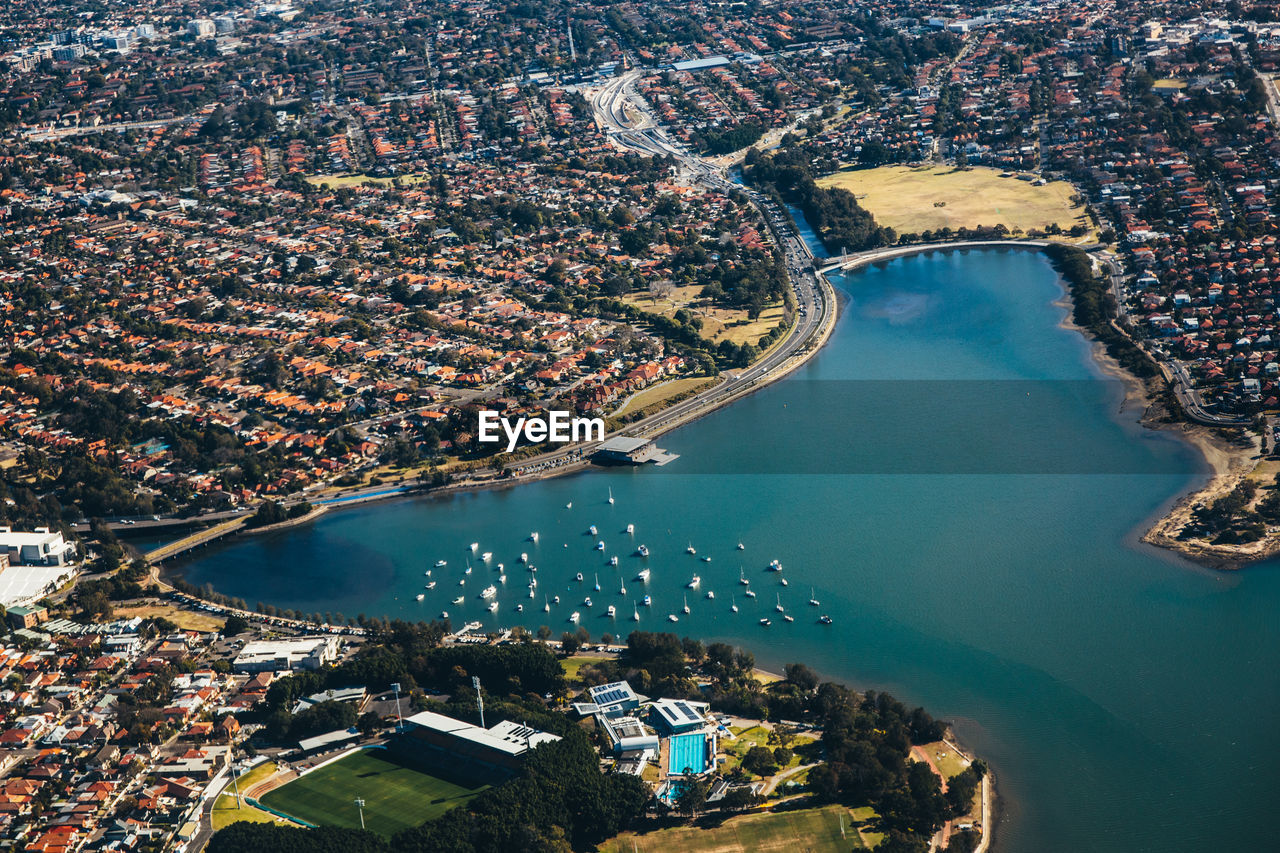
830,828
913,199
396,797
719,323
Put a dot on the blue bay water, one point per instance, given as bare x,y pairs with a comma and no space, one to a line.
1126,699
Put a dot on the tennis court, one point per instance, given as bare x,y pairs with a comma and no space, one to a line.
687,752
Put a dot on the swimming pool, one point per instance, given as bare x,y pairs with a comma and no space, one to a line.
687,751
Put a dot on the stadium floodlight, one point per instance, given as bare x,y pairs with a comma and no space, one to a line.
360,806
395,686
475,682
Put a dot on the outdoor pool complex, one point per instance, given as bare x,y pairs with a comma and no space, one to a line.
687,751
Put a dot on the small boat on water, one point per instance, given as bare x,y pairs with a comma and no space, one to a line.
486,556
500,567
555,599
569,505
597,583
693,584
706,559
751,593
444,614
742,579
784,582
711,594
493,607
468,571
531,592
475,546
502,578
643,575
824,619
575,617
462,582
610,494
622,590
600,545
648,602
578,577
686,604
765,622
613,561
421,596
489,591
533,583
533,537
586,602
733,605
788,617
592,530
524,558
642,551
431,585
671,617
812,599
691,549
778,607
612,612
631,528
775,566
519,608
441,563
546,607
428,573
635,612
741,547
458,600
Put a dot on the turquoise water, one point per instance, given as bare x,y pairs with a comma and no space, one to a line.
687,751
1126,699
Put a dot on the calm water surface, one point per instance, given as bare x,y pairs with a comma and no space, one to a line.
972,539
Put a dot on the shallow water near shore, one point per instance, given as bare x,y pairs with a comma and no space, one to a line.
1126,699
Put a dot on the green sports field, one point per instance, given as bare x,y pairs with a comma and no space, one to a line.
819,830
396,797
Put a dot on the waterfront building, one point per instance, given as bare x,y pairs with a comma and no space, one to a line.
280,655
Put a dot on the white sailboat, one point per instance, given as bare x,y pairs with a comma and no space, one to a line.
421,596
533,537
733,605
611,494
812,599
546,607
597,582
631,528
778,607
643,575
694,583
686,604
575,617
635,612
612,612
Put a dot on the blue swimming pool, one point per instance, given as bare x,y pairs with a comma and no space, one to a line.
687,751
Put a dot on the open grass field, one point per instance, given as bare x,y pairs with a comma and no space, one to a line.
396,797
913,199
718,323
948,761
573,665
801,831
225,812
187,620
662,392
337,182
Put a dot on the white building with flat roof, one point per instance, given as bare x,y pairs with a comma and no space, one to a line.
40,547
282,655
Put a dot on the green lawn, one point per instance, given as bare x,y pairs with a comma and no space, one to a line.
225,808
801,831
396,797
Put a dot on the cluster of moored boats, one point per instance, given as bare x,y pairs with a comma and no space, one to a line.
489,594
